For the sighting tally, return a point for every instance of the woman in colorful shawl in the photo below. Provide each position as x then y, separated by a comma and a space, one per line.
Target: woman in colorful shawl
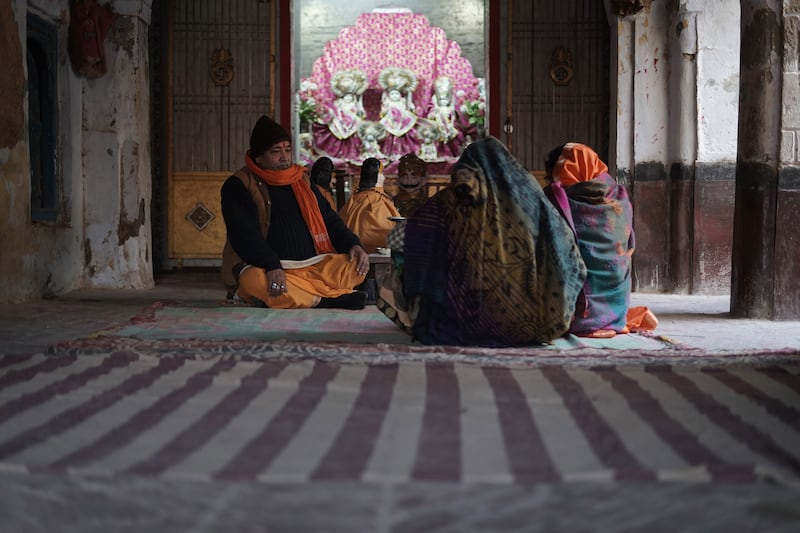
487, 261
600, 214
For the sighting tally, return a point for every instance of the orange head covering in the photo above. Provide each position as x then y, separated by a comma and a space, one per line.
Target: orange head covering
577, 163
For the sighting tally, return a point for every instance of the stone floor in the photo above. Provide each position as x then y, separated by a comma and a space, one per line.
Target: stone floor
68, 502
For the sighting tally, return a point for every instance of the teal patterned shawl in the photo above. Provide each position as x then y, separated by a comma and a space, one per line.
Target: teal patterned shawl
489, 261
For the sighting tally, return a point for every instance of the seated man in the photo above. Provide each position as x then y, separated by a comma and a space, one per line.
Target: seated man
286, 247
412, 173
367, 211
600, 215
487, 261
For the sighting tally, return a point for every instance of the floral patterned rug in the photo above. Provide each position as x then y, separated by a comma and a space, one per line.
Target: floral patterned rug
213, 330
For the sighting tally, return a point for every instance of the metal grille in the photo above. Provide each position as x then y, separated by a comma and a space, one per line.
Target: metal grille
546, 115
211, 123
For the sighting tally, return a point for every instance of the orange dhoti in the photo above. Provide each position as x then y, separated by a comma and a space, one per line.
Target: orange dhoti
307, 282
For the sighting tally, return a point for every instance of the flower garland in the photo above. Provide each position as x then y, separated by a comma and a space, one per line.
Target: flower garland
472, 105
308, 108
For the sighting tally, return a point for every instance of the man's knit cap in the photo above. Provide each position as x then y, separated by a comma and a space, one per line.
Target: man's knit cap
266, 134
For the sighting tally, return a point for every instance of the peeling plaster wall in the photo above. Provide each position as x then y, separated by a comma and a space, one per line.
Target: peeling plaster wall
621, 145
641, 88
648, 105
717, 116
116, 159
42, 259
104, 239
16, 239
648, 110
704, 101
718, 45
651, 87
676, 138
683, 82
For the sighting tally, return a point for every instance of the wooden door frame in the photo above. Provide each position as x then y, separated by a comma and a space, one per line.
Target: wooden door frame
493, 69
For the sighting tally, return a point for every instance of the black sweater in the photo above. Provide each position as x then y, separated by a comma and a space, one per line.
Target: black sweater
288, 236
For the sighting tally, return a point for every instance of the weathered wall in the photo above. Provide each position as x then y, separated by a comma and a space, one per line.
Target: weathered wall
787, 239
715, 170
12, 127
15, 240
718, 46
650, 144
116, 158
704, 103
103, 237
675, 133
44, 258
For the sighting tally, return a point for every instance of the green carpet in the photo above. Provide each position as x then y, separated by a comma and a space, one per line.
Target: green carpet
368, 326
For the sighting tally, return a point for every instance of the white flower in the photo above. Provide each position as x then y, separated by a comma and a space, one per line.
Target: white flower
308, 85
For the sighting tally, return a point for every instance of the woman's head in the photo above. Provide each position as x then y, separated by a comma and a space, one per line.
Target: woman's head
485, 165
573, 164
550, 162
322, 172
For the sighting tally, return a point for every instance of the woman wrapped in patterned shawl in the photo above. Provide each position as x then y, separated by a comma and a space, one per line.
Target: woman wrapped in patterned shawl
487, 261
600, 214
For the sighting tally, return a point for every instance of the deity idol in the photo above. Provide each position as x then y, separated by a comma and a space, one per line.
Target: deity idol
348, 108
398, 111
338, 137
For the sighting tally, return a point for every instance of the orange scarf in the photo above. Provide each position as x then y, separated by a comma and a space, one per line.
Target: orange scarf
306, 199
577, 163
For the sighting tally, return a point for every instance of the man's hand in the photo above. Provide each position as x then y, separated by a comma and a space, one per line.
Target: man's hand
361, 257
276, 282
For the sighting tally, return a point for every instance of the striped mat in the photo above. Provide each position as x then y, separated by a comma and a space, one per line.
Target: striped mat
177, 417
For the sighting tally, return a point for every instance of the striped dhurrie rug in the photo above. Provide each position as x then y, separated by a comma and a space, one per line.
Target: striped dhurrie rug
276, 421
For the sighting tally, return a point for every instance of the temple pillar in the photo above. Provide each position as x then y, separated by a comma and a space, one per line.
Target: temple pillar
766, 260
116, 157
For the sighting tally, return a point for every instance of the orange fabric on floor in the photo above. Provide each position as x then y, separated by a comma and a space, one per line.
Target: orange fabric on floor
334, 276
641, 319
601, 334
637, 319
